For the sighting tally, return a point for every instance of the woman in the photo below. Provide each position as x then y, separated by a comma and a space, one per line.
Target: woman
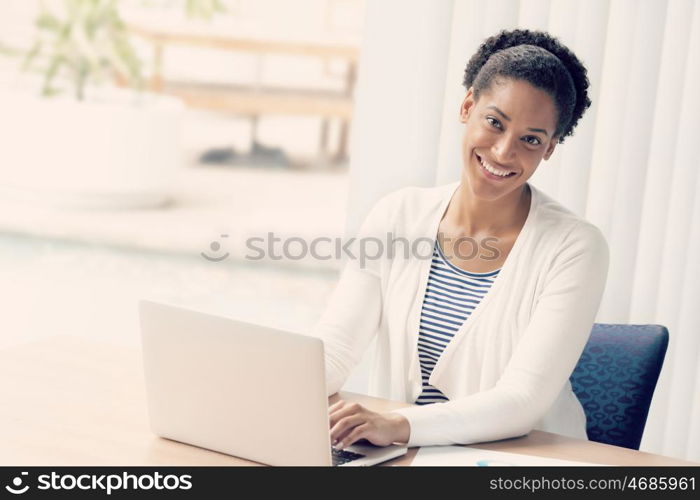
485, 343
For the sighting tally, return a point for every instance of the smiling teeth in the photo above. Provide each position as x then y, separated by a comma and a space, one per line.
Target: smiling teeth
495, 171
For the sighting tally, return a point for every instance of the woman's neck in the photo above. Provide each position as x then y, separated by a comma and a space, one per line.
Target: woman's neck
473, 216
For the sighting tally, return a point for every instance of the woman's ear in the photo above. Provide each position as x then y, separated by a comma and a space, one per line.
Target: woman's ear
550, 148
467, 105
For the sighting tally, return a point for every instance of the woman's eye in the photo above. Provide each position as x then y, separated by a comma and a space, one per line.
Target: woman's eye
493, 121
533, 140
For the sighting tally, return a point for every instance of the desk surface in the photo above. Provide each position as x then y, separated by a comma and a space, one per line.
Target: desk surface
71, 401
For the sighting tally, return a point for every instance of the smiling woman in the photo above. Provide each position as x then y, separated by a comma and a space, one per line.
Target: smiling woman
484, 345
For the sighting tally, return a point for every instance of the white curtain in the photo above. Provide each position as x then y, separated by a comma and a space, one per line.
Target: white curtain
631, 168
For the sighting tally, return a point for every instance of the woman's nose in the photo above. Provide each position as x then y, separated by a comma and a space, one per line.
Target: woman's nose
504, 148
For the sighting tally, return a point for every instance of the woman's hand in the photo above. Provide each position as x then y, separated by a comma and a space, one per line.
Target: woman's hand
351, 422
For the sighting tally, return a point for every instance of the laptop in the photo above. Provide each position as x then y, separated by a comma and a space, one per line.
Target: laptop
242, 389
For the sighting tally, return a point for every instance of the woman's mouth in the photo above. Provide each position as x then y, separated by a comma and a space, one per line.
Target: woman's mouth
492, 172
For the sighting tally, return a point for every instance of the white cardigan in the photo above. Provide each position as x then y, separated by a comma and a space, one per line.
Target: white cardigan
506, 371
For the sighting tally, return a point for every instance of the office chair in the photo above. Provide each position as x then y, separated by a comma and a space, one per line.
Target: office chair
615, 379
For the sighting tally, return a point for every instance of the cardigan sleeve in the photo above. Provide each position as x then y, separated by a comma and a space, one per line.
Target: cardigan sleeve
353, 313
543, 360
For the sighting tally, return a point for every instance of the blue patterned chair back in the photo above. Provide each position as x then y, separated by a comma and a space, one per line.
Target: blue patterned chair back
615, 379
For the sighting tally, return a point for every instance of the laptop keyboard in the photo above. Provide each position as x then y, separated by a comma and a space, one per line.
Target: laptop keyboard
344, 456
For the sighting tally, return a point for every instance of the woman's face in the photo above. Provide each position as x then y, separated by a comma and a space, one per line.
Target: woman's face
509, 130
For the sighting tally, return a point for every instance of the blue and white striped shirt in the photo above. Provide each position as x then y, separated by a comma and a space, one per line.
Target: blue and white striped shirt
450, 297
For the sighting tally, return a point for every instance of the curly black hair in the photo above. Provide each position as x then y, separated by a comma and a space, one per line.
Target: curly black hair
540, 59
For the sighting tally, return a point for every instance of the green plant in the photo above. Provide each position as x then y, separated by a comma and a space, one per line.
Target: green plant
204, 9
89, 43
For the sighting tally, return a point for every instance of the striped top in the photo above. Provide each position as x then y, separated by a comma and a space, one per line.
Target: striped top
450, 297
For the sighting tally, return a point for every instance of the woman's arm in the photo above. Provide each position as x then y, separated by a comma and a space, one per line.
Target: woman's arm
542, 362
349, 323
353, 313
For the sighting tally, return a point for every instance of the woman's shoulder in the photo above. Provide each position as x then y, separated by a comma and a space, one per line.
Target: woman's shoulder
407, 211
414, 202
556, 222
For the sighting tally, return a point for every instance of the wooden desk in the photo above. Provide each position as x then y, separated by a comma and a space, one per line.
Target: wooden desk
70, 401
256, 100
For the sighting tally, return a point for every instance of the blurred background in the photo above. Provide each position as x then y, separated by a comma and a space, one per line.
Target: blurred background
140, 134
144, 141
